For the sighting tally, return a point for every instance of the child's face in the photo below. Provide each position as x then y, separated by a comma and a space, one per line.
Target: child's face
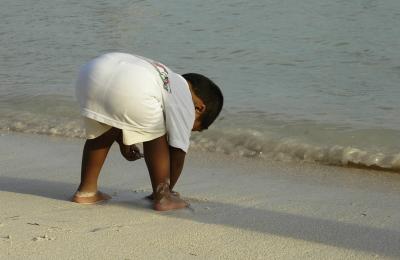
200, 108
197, 125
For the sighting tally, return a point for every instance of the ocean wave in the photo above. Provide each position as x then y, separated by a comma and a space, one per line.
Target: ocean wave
255, 144
39, 124
236, 142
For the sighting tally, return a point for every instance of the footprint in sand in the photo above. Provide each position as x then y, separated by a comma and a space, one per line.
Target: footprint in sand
98, 229
42, 238
8, 237
115, 228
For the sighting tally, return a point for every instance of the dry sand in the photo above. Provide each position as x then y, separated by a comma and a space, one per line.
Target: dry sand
240, 209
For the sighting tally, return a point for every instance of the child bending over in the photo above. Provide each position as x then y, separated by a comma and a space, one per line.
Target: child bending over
130, 99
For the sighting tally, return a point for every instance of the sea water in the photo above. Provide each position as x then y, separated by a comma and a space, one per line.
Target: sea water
311, 80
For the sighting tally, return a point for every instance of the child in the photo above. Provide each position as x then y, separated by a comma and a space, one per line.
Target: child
130, 99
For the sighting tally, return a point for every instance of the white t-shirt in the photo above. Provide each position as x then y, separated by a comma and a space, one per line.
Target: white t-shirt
139, 96
179, 109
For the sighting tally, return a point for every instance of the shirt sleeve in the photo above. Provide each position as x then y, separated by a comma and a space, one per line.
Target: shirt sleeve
179, 112
179, 123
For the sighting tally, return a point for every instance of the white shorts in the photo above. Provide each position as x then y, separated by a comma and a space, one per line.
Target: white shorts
125, 95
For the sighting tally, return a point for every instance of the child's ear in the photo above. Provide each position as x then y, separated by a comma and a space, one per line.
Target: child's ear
200, 108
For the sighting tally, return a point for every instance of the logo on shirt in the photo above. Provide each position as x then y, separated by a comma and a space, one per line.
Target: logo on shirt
162, 71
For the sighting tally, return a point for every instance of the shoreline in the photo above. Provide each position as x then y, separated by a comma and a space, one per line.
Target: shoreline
295, 153
240, 208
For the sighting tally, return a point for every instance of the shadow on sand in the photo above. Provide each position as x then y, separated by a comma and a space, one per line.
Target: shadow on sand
328, 232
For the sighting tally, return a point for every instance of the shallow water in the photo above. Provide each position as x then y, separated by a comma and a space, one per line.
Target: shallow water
303, 80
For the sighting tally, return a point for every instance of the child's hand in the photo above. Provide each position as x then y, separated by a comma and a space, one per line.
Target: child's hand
130, 152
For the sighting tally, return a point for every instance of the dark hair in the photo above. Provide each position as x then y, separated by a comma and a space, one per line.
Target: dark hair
211, 95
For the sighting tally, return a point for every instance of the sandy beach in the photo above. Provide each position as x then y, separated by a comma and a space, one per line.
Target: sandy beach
240, 208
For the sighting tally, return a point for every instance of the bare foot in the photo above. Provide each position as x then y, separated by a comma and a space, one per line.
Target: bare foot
170, 203
164, 200
173, 193
90, 198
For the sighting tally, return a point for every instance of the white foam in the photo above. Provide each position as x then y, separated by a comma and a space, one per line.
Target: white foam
269, 146
266, 145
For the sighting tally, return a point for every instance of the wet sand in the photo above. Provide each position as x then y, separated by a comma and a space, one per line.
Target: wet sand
240, 208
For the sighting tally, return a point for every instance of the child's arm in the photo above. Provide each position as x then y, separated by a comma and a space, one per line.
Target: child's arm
177, 159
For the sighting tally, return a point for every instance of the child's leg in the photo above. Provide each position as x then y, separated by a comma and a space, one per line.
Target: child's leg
94, 154
156, 154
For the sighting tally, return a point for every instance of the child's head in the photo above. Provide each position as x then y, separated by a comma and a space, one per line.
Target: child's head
207, 98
